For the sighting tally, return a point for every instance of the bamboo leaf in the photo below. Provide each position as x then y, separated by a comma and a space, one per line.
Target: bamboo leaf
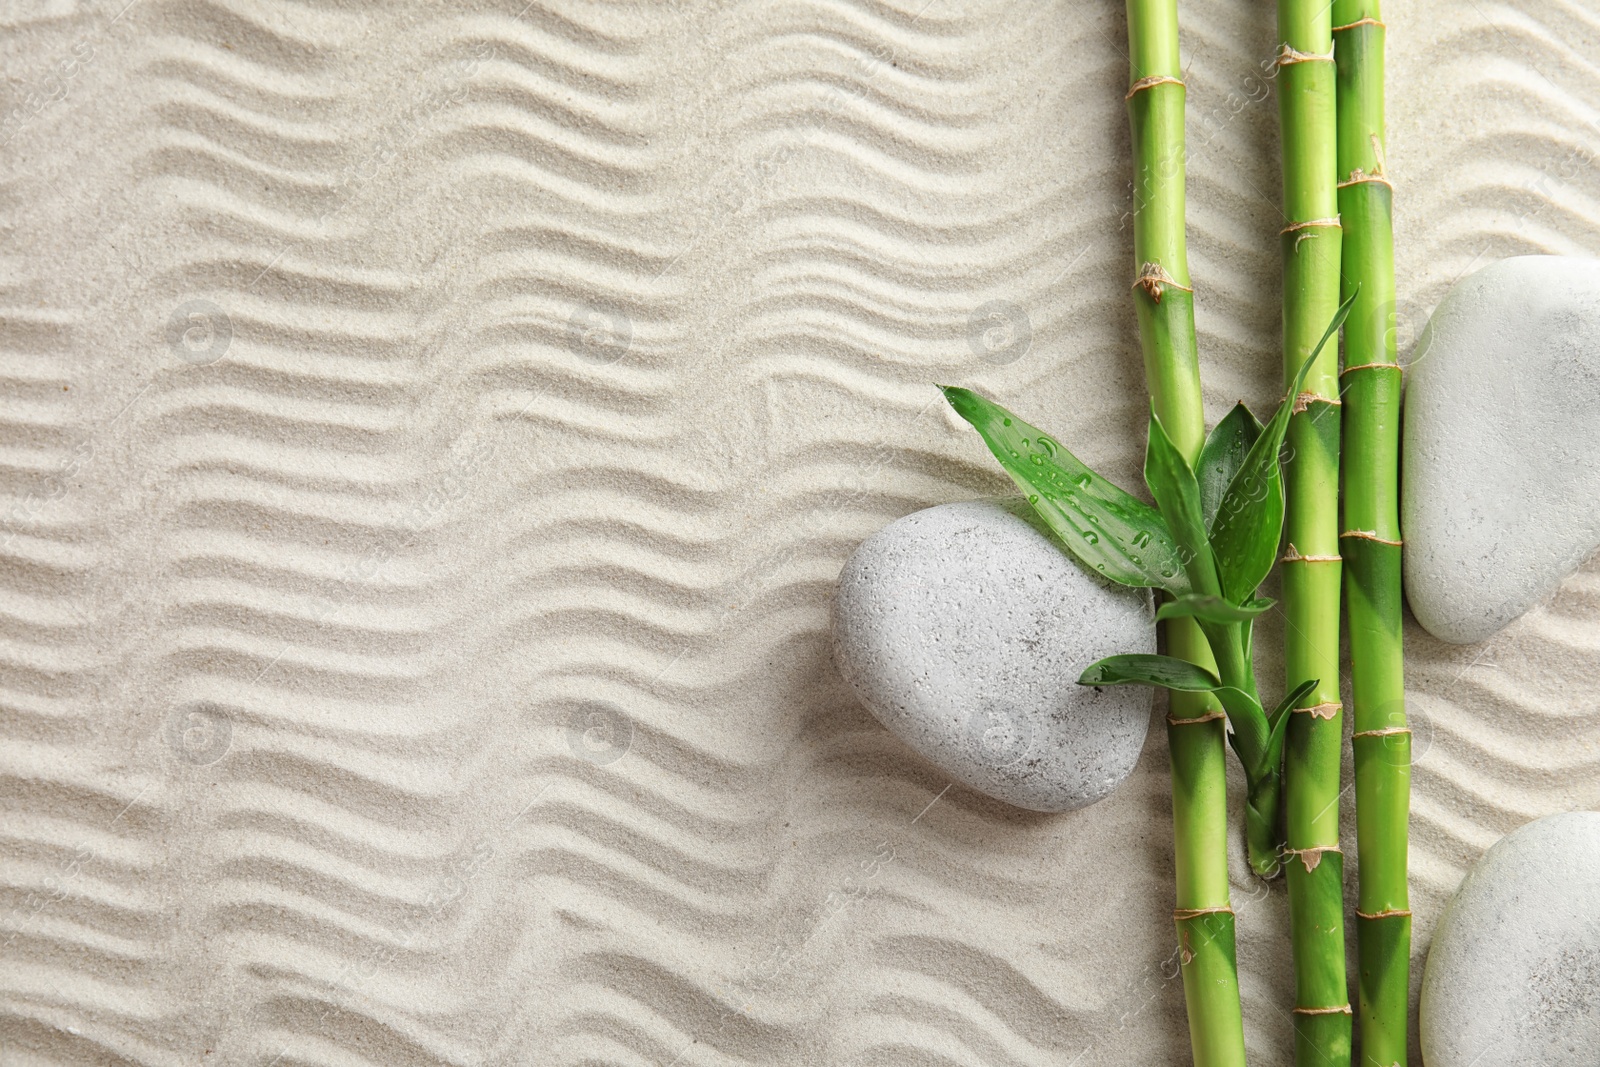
1250, 734
1165, 672
1226, 446
1249, 521
1289, 701
1249, 722
1115, 534
1263, 807
1212, 609
1277, 723
1177, 494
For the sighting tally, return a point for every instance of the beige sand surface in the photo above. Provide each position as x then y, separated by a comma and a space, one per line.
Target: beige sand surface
429, 439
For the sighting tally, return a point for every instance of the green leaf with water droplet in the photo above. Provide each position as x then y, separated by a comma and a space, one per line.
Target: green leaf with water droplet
1251, 731
1225, 449
1142, 668
1211, 609
1177, 494
1115, 534
1249, 521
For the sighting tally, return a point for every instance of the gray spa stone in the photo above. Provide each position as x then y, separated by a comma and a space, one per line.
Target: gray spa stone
964, 629
1501, 499
1514, 972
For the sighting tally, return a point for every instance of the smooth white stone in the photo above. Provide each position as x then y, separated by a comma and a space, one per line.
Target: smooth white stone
1514, 972
1501, 499
964, 629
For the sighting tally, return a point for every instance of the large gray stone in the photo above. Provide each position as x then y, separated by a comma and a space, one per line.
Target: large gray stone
1514, 972
964, 629
1502, 489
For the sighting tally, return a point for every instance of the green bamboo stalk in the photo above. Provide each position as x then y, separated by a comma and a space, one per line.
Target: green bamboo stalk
1371, 540
1164, 299
1311, 574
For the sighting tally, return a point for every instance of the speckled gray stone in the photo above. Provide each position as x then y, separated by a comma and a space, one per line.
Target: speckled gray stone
964, 629
1501, 500
1514, 972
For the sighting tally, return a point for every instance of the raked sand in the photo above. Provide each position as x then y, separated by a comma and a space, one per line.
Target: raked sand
414, 652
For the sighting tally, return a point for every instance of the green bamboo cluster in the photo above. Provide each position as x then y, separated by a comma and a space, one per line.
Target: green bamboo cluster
1371, 540
1311, 241
1208, 542
1164, 300
1223, 507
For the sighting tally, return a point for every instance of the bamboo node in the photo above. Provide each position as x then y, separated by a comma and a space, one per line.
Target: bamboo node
1150, 83
1303, 230
1328, 223
1293, 556
1368, 21
1306, 399
1370, 535
1361, 177
1154, 279
1312, 856
1372, 366
1342, 1009
1387, 731
1210, 716
1325, 710
1390, 914
1179, 914
1288, 55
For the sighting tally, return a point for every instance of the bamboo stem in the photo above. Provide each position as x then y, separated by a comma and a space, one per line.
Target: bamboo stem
1311, 574
1165, 304
1371, 542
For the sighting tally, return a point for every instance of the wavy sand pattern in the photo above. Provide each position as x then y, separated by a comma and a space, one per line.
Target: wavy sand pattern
427, 446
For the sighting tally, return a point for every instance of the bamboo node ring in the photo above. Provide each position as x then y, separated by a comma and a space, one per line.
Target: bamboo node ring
1332, 222
1372, 366
1371, 535
1293, 556
1312, 856
1154, 279
1360, 177
1387, 731
1343, 1009
1390, 914
1150, 83
1306, 399
1288, 55
1325, 710
1180, 914
1368, 21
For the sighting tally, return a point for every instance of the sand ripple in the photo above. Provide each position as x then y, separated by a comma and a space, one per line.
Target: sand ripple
427, 447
